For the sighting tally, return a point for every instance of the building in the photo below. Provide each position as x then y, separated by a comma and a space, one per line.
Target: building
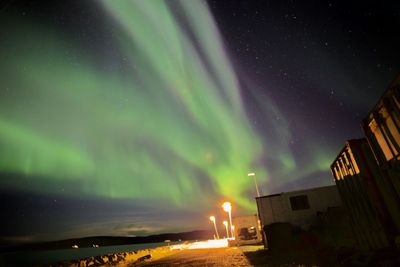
382, 130
367, 173
356, 172
299, 208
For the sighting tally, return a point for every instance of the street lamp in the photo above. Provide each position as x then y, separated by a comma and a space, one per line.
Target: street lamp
255, 182
212, 218
226, 227
228, 208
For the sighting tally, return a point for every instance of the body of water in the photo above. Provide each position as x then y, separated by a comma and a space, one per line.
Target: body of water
34, 258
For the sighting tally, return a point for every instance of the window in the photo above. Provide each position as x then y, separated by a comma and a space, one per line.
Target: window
299, 202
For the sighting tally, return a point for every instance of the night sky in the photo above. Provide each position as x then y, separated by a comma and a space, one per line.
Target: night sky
141, 117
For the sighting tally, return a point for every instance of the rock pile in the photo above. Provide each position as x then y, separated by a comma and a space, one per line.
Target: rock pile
111, 259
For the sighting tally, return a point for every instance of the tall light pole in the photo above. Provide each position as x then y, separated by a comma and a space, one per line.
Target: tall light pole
228, 208
212, 218
255, 182
226, 227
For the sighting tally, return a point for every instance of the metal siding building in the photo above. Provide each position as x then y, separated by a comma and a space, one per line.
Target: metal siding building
382, 129
356, 172
298, 208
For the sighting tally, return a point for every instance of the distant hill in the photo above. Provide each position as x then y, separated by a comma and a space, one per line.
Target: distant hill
112, 241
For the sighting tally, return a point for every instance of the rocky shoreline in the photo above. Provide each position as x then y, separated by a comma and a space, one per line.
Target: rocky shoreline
118, 259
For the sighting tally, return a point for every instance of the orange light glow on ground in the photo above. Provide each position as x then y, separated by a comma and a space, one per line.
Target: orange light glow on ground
220, 243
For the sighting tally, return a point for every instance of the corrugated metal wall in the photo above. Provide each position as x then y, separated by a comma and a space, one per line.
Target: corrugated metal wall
367, 173
352, 176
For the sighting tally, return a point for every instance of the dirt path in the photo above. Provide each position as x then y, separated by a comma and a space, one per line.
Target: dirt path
203, 257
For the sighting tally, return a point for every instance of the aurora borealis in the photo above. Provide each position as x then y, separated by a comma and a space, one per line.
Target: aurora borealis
127, 135
137, 117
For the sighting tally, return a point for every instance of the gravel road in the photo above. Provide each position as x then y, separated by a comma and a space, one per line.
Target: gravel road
203, 257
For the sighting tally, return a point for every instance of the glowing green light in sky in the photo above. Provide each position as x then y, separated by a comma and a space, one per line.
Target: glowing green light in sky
169, 126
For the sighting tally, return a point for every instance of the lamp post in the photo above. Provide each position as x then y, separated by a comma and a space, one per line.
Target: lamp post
228, 208
212, 218
255, 182
233, 231
226, 227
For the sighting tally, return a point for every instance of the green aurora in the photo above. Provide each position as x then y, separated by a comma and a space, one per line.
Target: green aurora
169, 126
137, 117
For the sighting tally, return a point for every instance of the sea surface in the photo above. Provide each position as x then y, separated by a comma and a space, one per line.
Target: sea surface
43, 257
